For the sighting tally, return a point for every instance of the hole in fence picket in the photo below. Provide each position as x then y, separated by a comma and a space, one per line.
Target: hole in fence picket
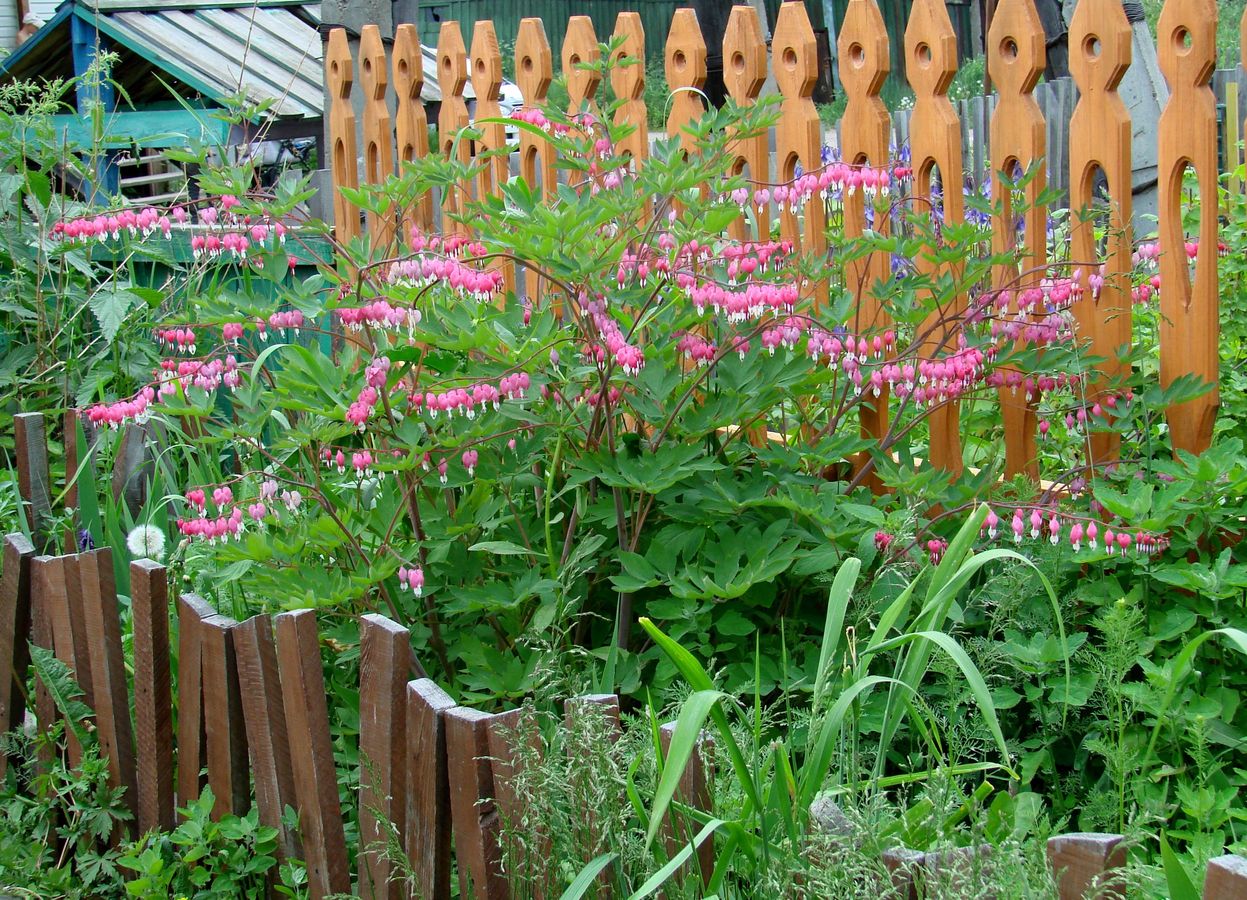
1091, 46
1009, 49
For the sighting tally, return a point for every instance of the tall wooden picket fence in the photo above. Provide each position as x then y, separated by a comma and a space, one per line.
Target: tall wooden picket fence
1097, 140
247, 714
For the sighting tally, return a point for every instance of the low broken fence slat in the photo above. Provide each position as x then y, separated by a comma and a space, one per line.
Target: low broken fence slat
252, 713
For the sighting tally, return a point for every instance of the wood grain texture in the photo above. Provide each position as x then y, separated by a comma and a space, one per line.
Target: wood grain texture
580, 49
744, 74
1082, 864
1226, 878
684, 57
378, 132
191, 740
133, 466
693, 791
108, 673
1186, 46
411, 123
935, 145
15, 632
534, 72
41, 636
473, 812
864, 130
428, 789
384, 669
225, 728
56, 588
30, 446
1100, 43
491, 149
628, 83
264, 716
1016, 55
311, 753
530, 864
452, 76
340, 76
153, 695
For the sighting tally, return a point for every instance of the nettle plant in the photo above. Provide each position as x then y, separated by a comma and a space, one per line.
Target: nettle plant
519, 433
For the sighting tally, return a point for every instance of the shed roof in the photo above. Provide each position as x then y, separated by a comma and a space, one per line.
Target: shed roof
269, 51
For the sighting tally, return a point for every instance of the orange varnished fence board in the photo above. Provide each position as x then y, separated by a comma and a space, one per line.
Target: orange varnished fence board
192, 756
799, 135
264, 715
486, 62
744, 74
1082, 861
1100, 134
1189, 328
534, 71
452, 76
378, 129
685, 62
628, 83
311, 754
580, 51
340, 75
384, 667
864, 67
428, 789
411, 124
108, 672
935, 144
15, 618
1016, 53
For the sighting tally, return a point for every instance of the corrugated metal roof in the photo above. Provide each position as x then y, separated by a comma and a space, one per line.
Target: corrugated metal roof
268, 53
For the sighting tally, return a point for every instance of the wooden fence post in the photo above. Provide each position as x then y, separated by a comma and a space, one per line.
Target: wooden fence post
628, 83
1100, 134
693, 791
15, 622
153, 699
508, 731
685, 55
311, 753
473, 812
225, 729
864, 66
576, 711
1081, 861
799, 135
935, 143
580, 47
452, 76
108, 672
340, 75
534, 72
428, 789
192, 756
31, 447
411, 123
384, 668
486, 61
378, 132
133, 466
1016, 55
1186, 40
744, 74
264, 714
1226, 878
58, 595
